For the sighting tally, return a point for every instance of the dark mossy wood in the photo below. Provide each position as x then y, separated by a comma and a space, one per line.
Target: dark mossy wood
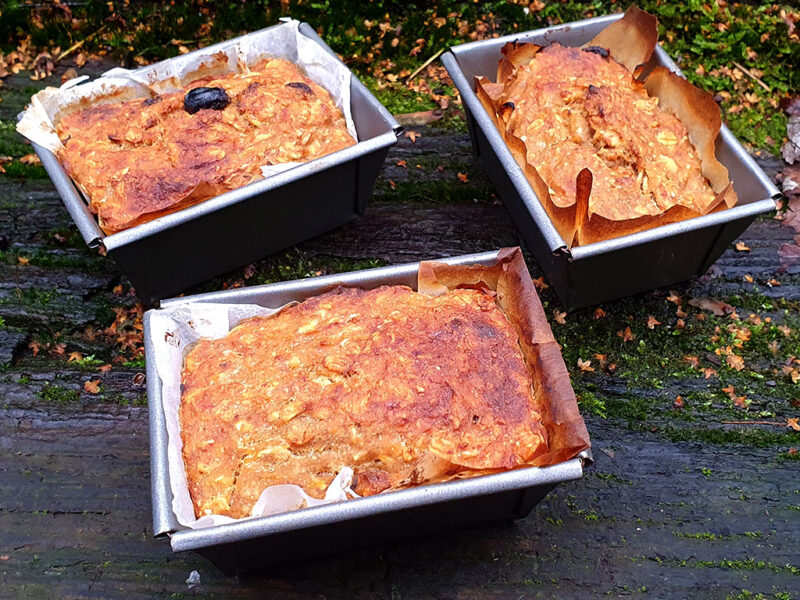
674, 507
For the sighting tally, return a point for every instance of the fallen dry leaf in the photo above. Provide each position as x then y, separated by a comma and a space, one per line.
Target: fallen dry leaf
68, 74
652, 322
559, 316
735, 361
741, 402
539, 283
678, 402
692, 361
748, 279
104, 368
741, 247
709, 372
30, 159
75, 357
773, 283
718, 307
602, 359
402, 163
412, 135
462, 177
680, 324
785, 330
627, 335
679, 312
23, 260
674, 297
793, 423
92, 386
585, 365
599, 313
34, 346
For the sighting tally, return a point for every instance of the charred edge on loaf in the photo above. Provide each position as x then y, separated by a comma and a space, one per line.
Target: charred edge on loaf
214, 98
300, 86
597, 50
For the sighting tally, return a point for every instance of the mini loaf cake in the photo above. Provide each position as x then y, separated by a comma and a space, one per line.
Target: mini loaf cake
143, 158
610, 144
577, 108
402, 387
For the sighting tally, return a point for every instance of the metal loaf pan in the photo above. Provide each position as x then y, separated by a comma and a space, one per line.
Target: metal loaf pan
619, 267
167, 255
355, 523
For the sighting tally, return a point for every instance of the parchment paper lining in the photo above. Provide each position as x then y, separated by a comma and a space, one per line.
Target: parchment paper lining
174, 330
117, 85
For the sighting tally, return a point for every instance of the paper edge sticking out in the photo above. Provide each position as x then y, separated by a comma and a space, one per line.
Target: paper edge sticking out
630, 39
173, 331
283, 40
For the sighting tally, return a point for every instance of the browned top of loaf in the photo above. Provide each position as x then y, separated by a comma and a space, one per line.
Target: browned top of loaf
577, 109
143, 158
402, 387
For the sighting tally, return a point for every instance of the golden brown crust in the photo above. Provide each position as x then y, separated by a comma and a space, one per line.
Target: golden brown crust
403, 387
648, 148
141, 159
517, 298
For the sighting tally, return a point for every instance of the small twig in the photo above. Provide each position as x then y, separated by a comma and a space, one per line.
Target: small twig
750, 74
77, 45
425, 64
753, 423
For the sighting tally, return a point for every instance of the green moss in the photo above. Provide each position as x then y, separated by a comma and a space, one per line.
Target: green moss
59, 395
748, 565
17, 170
87, 260
11, 143
398, 99
613, 478
87, 363
789, 455
590, 403
135, 363
31, 297
706, 535
759, 438
433, 191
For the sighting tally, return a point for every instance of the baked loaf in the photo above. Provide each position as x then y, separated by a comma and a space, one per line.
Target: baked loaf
143, 158
610, 144
402, 387
579, 109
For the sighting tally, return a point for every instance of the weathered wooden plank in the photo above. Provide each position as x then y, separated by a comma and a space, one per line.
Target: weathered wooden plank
658, 517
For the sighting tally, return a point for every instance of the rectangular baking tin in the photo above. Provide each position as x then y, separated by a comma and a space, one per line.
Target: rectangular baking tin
606, 270
356, 523
169, 254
